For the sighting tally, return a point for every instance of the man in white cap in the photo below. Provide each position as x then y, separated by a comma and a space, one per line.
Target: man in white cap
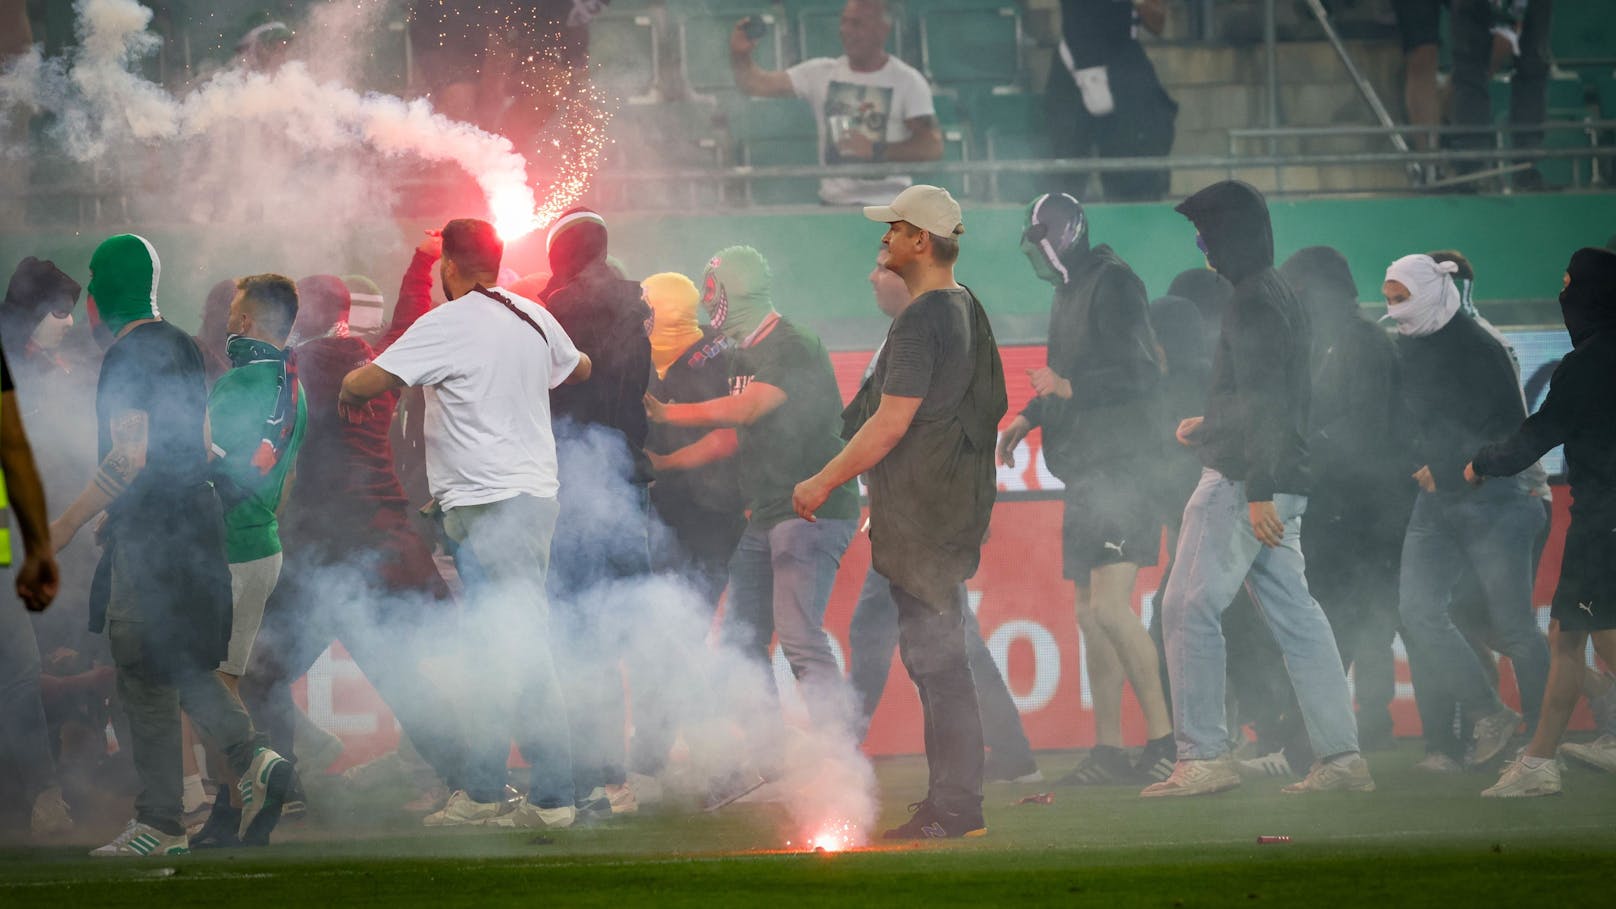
923, 428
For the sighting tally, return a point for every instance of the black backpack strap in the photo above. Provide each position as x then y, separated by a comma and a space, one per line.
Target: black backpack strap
514, 309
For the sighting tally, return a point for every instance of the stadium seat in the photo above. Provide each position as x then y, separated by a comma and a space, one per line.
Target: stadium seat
775, 131
1566, 102
625, 54
1010, 124
964, 42
673, 134
704, 46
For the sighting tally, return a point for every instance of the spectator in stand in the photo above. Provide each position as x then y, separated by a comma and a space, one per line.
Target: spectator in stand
1477, 26
1104, 98
1419, 22
869, 105
1461, 390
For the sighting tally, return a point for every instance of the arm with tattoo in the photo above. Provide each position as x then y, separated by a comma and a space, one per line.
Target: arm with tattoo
117, 472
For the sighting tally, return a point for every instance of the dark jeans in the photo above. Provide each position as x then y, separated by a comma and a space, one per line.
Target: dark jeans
931, 642
503, 555
1472, 52
873, 637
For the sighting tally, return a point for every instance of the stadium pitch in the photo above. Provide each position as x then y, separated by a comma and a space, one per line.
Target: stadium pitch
1420, 839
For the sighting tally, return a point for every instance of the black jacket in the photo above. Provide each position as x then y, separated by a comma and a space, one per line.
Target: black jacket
692, 497
1101, 341
1256, 417
607, 319
1460, 389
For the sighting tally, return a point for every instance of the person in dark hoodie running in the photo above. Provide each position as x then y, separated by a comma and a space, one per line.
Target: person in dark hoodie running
1243, 524
603, 533
354, 568
163, 589
1579, 413
1361, 495
1460, 390
1097, 402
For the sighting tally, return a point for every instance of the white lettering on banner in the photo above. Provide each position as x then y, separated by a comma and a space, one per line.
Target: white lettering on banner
1013, 479
1046, 662
322, 708
1046, 480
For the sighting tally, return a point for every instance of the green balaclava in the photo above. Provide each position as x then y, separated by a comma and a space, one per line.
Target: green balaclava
735, 292
123, 280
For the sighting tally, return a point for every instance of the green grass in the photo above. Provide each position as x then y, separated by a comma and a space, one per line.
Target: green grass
1419, 840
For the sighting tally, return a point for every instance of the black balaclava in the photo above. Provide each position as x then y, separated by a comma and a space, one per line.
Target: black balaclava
37, 289
576, 241
1588, 303
1232, 218
1056, 237
1208, 290
1323, 280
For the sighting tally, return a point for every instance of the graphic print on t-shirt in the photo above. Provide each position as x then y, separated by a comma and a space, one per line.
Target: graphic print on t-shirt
855, 109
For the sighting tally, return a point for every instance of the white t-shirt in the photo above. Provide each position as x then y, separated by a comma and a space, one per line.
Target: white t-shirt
488, 377
878, 105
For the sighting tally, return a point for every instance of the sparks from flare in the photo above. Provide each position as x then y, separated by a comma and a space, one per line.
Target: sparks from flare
835, 836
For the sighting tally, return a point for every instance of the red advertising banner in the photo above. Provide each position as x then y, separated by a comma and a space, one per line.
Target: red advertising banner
1024, 606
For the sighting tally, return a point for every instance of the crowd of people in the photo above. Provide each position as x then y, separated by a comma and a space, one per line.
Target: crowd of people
584, 437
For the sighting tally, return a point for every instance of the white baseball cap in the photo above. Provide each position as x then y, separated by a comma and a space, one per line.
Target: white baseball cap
929, 208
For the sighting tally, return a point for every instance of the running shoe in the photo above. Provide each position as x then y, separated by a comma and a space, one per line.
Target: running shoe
1521, 781
1195, 778
1492, 735
1600, 752
263, 794
928, 822
1104, 766
140, 840
1335, 775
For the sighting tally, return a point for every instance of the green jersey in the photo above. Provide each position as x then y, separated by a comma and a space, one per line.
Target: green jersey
250, 474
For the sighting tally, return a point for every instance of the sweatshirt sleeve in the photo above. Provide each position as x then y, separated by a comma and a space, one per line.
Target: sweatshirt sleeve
414, 299
1259, 351
1493, 405
1541, 432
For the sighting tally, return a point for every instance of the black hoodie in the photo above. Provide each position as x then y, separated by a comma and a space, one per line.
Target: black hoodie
608, 319
1100, 340
1355, 447
1256, 415
1580, 410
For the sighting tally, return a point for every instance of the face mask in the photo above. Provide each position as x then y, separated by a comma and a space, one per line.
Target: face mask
52, 330
1035, 246
716, 304
243, 350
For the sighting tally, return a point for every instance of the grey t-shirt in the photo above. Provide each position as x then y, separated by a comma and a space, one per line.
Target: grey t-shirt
928, 353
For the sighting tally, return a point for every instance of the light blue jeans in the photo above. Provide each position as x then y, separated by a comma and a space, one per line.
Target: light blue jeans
780, 581
1217, 552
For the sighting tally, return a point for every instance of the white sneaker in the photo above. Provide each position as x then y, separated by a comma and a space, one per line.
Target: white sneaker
1351, 775
1600, 752
529, 816
1521, 781
1437, 762
461, 811
263, 794
1492, 734
623, 799
50, 816
140, 840
1273, 764
1195, 778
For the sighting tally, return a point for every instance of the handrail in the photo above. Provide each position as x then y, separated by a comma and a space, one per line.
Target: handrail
1306, 132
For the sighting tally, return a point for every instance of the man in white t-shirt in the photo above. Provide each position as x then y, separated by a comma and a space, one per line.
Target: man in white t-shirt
488, 360
869, 105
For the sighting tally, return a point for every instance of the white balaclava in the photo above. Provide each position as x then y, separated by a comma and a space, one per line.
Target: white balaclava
1433, 298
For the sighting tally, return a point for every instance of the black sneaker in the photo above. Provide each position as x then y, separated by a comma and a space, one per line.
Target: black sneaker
594, 807
1156, 761
219, 831
932, 823
1104, 766
1021, 769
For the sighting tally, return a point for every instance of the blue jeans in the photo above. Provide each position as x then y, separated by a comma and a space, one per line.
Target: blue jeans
780, 581
1217, 552
1490, 530
503, 555
873, 636
24, 735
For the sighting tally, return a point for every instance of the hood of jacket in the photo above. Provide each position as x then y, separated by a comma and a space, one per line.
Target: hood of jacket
1232, 218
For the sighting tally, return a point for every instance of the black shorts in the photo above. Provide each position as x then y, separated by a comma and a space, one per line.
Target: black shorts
1419, 22
1111, 517
1585, 598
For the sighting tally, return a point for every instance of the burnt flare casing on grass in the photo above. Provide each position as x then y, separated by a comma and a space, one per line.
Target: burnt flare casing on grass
1270, 840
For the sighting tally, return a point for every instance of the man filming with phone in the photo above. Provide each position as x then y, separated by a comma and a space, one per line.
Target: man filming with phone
869, 105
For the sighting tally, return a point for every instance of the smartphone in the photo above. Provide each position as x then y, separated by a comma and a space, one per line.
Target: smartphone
754, 28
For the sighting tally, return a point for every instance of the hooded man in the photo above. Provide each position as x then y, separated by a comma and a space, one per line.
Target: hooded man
779, 423
1460, 390
1580, 413
165, 598
1243, 524
1361, 496
1097, 402
348, 509
38, 293
603, 534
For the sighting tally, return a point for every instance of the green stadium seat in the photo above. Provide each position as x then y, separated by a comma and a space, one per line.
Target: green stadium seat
970, 42
673, 134
765, 152
1566, 102
704, 47
772, 118
1583, 33
625, 54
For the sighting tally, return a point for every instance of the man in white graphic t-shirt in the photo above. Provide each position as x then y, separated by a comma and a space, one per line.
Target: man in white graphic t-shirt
870, 106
